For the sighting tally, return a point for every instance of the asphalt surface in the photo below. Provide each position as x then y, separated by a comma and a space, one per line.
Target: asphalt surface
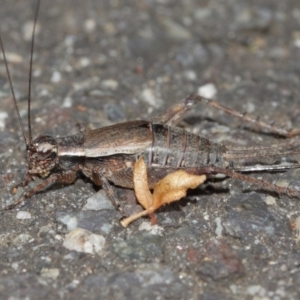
98, 63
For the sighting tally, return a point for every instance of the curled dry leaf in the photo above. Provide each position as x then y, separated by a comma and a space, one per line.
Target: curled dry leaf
141, 187
171, 188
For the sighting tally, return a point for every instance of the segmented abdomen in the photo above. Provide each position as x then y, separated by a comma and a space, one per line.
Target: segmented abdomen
174, 147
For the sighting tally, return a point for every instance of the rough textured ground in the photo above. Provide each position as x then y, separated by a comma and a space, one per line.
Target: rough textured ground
103, 62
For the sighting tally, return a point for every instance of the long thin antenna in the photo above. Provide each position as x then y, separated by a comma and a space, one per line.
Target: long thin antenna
13, 93
30, 71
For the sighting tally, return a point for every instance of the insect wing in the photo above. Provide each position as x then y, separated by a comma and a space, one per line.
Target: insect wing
128, 138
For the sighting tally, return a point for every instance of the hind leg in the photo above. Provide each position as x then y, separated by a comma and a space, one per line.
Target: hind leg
173, 115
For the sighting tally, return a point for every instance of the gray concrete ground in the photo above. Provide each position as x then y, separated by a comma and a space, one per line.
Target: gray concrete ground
102, 62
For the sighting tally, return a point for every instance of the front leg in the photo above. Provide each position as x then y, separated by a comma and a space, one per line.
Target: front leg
100, 180
28, 178
66, 177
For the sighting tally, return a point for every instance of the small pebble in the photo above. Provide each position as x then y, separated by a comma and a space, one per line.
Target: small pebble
82, 240
110, 84
23, 215
282, 183
149, 96
190, 75
270, 200
153, 229
15, 265
254, 290
50, 273
207, 91
84, 62
68, 101
297, 227
13, 57
175, 30
3, 116
56, 77
27, 30
219, 227
70, 221
98, 201
114, 112
22, 239
89, 25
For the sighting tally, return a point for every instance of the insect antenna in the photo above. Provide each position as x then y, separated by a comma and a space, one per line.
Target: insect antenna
27, 139
13, 93
30, 71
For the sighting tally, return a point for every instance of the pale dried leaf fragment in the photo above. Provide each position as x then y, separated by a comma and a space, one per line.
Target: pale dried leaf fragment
171, 188
141, 187
174, 186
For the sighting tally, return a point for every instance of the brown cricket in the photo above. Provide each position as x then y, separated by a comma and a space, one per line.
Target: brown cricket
108, 155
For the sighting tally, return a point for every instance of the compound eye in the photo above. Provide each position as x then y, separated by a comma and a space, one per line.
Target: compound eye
44, 150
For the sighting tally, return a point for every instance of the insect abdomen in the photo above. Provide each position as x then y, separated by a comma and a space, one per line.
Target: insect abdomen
176, 148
